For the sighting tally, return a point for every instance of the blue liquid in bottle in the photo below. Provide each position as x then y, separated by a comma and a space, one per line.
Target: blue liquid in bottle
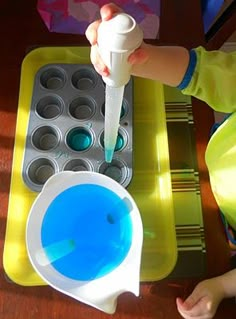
97, 222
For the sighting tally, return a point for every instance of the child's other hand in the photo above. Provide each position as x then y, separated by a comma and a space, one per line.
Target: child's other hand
203, 302
139, 56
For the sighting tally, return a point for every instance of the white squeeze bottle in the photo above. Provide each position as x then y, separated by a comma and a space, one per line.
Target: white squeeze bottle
117, 39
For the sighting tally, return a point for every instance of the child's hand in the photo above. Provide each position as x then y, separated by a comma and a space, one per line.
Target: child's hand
107, 11
204, 300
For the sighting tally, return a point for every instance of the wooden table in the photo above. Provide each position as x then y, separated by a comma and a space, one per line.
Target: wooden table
21, 29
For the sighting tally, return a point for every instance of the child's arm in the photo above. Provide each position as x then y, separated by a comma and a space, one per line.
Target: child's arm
209, 76
165, 64
207, 295
228, 282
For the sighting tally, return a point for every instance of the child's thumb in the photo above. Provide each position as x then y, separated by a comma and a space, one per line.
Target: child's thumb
139, 56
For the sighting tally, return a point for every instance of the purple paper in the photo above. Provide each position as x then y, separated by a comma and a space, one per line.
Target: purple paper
74, 16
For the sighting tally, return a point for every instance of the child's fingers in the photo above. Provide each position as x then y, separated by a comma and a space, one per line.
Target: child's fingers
97, 62
91, 32
179, 301
203, 309
108, 10
193, 299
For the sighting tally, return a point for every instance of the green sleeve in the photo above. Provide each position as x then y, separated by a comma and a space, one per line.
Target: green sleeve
214, 79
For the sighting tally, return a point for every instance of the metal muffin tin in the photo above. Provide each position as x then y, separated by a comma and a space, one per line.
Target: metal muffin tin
66, 126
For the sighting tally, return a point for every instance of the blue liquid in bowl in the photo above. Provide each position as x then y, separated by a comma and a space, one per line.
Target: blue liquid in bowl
98, 224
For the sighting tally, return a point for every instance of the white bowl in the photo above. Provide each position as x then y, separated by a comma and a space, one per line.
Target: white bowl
84, 238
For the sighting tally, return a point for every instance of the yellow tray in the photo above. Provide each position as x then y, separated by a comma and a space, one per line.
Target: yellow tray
150, 185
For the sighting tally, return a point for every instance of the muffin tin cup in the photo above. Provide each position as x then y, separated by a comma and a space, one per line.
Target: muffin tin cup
66, 126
